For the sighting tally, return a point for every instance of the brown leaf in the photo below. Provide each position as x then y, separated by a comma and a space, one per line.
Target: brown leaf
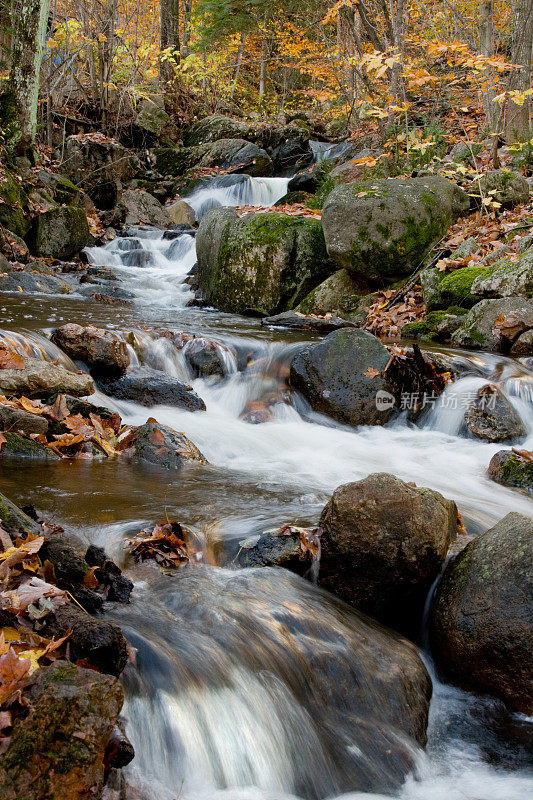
3, 439
9, 359
156, 437
371, 372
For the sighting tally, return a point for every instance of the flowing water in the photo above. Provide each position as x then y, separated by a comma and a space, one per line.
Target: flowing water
205, 724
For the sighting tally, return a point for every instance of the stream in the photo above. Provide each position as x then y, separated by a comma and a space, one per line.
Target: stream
204, 724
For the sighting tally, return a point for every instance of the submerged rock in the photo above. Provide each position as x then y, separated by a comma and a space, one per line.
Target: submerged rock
103, 351
57, 751
160, 445
481, 623
261, 262
14, 520
341, 377
151, 387
383, 544
289, 547
493, 418
12, 280
296, 321
42, 378
514, 469
380, 230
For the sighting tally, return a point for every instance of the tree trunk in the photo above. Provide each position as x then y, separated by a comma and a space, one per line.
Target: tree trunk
30, 25
397, 16
240, 54
169, 37
186, 7
518, 124
263, 67
486, 48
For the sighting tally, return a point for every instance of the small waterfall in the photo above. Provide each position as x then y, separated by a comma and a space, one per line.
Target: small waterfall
324, 151
236, 190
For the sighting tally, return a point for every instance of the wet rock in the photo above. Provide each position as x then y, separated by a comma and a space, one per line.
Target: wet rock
17, 446
505, 187
482, 326
364, 691
380, 230
160, 445
288, 147
118, 588
261, 262
237, 155
336, 377
65, 553
207, 357
42, 378
59, 233
306, 180
14, 520
12, 280
57, 750
512, 468
17, 420
481, 623
296, 321
507, 279
103, 351
339, 294
97, 642
181, 213
295, 549
493, 418
140, 208
151, 387
92, 164
523, 346
383, 544
214, 127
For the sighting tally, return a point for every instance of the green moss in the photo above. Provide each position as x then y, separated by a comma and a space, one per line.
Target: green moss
426, 329
11, 213
454, 288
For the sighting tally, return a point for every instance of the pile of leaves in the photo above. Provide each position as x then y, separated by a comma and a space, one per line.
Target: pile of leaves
392, 310
27, 595
77, 434
293, 210
169, 544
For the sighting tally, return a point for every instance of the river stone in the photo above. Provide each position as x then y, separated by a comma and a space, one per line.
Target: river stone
181, 213
14, 520
383, 545
59, 233
57, 750
503, 186
507, 279
95, 641
479, 326
160, 445
42, 378
363, 690
140, 208
12, 280
296, 321
103, 351
306, 180
288, 147
20, 421
512, 469
205, 357
523, 346
331, 376
151, 387
17, 446
380, 230
276, 548
214, 127
493, 418
261, 262
481, 623
338, 294
237, 155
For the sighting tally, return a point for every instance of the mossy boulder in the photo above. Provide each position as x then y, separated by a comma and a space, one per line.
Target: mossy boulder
341, 377
436, 326
59, 233
57, 750
14, 520
12, 200
175, 161
505, 187
338, 295
140, 208
481, 623
512, 469
481, 329
62, 189
18, 446
380, 230
506, 278
262, 262
214, 127
444, 289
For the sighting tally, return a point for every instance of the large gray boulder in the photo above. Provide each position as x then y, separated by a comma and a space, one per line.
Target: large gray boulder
481, 623
380, 230
59, 233
495, 324
341, 377
214, 127
359, 693
383, 544
140, 208
42, 378
264, 262
507, 278
237, 155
